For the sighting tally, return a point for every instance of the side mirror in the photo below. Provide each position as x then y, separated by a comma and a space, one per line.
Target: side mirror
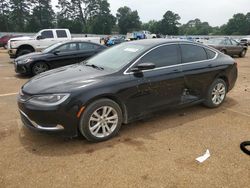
143, 66
56, 52
39, 37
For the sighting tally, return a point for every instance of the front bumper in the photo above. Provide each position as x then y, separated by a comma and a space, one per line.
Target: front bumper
56, 119
12, 53
21, 68
32, 124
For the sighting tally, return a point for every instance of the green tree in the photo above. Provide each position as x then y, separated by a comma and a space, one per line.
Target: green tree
128, 20
196, 27
20, 13
66, 17
42, 15
153, 26
79, 16
101, 21
238, 25
4, 15
169, 24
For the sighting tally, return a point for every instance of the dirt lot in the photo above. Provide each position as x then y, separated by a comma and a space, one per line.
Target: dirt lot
158, 152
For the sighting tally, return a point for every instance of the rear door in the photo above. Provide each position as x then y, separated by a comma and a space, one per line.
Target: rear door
87, 50
229, 47
162, 86
199, 69
237, 48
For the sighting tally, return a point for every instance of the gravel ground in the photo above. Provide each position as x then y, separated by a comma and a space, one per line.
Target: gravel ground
157, 152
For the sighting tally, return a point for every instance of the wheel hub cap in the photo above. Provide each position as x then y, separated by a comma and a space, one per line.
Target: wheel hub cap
103, 122
218, 93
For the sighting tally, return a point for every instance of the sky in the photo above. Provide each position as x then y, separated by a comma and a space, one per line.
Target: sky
215, 12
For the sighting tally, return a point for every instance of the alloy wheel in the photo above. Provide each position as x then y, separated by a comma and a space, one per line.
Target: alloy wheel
39, 68
218, 93
103, 122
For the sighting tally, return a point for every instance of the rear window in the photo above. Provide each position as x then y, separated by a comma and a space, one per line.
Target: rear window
192, 53
87, 46
210, 54
61, 33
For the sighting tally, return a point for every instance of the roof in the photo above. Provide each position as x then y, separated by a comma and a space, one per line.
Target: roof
155, 42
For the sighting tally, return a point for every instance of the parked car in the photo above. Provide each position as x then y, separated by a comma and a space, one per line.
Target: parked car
137, 35
228, 46
4, 40
123, 84
43, 39
115, 40
57, 55
246, 40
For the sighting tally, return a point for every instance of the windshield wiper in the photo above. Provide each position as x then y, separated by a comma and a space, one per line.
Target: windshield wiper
94, 66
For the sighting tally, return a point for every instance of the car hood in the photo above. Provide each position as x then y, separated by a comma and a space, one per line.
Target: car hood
30, 55
20, 38
64, 79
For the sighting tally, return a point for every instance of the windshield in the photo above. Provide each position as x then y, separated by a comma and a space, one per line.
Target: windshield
52, 47
116, 57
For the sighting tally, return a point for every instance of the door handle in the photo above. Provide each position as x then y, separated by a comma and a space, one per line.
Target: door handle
176, 70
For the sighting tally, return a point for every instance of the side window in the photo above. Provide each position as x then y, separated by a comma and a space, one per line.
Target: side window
67, 47
227, 42
162, 56
210, 54
234, 42
87, 46
191, 53
47, 34
61, 33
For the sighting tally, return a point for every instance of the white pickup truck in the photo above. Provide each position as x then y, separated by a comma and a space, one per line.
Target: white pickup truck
44, 38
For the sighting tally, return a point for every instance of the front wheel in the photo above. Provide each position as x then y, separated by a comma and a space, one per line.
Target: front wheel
38, 68
101, 120
216, 94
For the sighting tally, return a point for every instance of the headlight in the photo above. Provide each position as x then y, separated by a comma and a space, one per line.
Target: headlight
49, 100
25, 61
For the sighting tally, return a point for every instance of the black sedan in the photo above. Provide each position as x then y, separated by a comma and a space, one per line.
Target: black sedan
123, 84
228, 46
57, 55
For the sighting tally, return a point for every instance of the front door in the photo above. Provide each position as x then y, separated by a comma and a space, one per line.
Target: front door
159, 87
65, 54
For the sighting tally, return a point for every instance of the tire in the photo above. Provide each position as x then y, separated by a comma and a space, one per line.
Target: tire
94, 118
5, 46
243, 53
39, 67
243, 147
23, 52
216, 94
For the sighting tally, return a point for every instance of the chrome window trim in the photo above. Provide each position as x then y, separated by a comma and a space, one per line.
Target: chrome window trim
171, 66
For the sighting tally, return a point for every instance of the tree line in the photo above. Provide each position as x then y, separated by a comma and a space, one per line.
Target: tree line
94, 16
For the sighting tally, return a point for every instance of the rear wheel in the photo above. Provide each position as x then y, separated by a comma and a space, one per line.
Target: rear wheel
216, 94
101, 120
40, 67
243, 53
